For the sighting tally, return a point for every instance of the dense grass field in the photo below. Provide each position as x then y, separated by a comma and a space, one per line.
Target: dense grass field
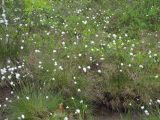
80, 59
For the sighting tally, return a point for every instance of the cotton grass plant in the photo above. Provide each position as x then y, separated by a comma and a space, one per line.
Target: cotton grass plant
80, 55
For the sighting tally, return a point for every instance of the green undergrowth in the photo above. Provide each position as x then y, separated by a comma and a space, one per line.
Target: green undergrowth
104, 53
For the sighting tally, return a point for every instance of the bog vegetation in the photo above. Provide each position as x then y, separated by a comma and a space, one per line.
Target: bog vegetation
66, 59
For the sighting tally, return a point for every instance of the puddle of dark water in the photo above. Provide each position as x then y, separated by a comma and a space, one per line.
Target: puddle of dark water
105, 114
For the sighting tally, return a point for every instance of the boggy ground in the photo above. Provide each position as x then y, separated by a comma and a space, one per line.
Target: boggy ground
5, 97
69, 58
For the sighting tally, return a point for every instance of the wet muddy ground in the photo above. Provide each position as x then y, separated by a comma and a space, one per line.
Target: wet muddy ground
5, 95
103, 113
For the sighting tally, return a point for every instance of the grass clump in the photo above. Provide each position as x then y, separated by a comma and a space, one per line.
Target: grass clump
33, 104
